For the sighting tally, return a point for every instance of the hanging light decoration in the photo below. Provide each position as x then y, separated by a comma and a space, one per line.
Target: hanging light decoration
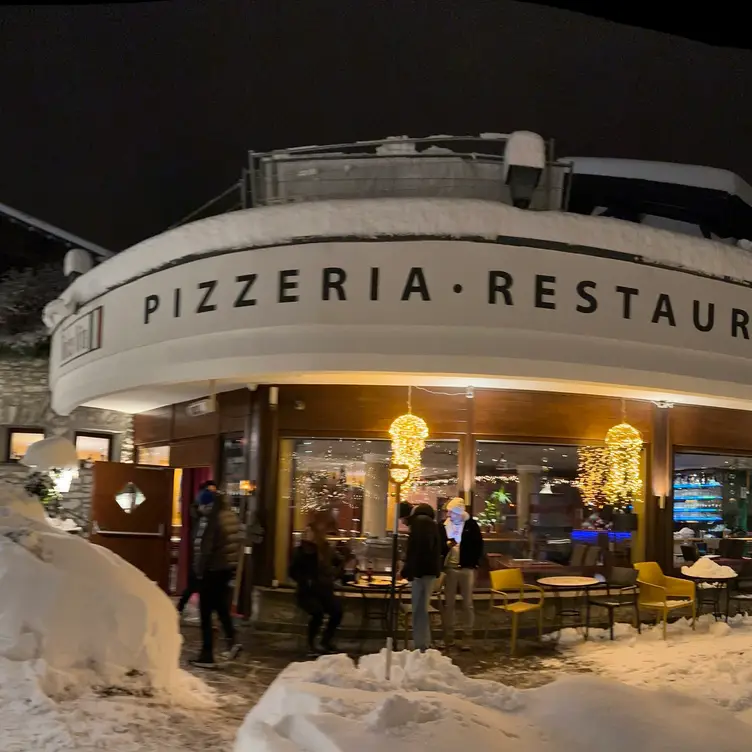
624, 446
409, 434
592, 474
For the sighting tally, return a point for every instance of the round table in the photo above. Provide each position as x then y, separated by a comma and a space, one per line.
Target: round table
718, 585
580, 586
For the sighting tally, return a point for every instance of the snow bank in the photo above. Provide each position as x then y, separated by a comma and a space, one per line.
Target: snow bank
78, 614
713, 663
333, 705
708, 568
373, 218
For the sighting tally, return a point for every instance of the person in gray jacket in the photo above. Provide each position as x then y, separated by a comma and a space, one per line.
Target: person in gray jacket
216, 552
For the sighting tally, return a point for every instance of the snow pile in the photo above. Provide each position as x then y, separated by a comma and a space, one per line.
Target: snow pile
707, 568
335, 706
713, 663
78, 615
388, 218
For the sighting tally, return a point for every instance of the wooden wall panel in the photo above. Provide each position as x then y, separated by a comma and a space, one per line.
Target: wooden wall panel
153, 427
711, 428
185, 426
548, 415
234, 408
368, 411
200, 452
354, 411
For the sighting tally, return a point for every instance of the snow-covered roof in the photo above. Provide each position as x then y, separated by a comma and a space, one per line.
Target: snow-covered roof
374, 218
694, 176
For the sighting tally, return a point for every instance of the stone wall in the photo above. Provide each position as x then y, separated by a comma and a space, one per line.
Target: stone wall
25, 403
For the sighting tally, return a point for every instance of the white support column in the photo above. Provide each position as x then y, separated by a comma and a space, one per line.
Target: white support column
529, 483
375, 494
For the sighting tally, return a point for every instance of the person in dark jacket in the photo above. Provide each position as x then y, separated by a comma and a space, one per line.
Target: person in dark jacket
463, 542
314, 568
216, 553
422, 566
193, 583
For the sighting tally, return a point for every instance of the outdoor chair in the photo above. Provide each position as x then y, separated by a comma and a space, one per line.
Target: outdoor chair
577, 559
731, 548
740, 590
690, 554
435, 608
621, 591
510, 585
664, 594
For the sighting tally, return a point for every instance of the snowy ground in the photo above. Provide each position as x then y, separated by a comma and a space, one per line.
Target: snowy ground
714, 663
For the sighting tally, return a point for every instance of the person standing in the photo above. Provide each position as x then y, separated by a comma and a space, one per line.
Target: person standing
464, 546
314, 569
422, 566
216, 553
193, 583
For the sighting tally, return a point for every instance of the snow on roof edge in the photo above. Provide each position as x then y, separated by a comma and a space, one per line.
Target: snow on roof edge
372, 218
695, 176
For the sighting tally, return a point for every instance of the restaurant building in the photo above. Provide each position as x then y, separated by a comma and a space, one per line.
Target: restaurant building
272, 346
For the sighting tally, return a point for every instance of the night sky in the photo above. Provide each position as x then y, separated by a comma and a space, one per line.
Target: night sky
118, 120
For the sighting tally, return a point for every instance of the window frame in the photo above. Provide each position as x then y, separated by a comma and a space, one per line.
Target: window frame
10, 430
96, 435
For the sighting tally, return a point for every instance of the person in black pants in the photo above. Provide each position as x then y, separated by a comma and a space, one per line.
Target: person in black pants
192, 586
216, 554
314, 569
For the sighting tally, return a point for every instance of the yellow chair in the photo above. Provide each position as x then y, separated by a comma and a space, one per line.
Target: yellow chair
509, 584
663, 594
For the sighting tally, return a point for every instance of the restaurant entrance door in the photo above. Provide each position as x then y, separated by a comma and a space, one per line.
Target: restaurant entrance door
131, 514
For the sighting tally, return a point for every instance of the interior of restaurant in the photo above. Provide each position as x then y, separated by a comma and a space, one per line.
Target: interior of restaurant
527, 497
711, 504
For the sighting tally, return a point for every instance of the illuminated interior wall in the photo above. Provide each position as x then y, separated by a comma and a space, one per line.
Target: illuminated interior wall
285, 504
177, 517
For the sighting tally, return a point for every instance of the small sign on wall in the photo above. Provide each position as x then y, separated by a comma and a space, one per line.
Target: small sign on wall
81, 337
200, 407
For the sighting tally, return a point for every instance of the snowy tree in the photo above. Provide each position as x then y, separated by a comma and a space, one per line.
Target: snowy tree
23, 295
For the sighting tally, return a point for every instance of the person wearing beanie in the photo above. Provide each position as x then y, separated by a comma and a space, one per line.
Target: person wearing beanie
464, 544
204, 496
422, 566
216, 549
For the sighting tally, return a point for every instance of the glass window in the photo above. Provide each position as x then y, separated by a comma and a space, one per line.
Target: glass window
20, 441
156, 455
711, 494
93, 447
525, 487
350, 479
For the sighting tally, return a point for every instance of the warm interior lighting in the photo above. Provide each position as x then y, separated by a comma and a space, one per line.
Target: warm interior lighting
592, 474
399, 474
624, 483
409, 434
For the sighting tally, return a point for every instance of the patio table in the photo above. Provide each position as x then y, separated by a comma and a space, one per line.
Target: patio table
717, 586
579, 588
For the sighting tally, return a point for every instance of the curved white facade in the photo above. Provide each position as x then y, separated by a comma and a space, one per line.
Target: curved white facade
408, 291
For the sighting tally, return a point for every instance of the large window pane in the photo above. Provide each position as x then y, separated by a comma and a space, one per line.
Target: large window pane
156, 455
711, 494
350, 479
525, 487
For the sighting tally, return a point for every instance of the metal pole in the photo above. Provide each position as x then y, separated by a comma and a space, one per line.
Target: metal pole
393, 587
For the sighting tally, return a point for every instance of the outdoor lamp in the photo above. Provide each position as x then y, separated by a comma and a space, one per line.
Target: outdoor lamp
399, 474
55, 456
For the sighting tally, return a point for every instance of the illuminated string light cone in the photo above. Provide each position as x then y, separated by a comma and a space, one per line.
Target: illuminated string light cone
592, 474
623, 482
409, 434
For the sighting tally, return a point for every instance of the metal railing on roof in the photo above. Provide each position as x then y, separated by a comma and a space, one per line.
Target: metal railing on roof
468, 167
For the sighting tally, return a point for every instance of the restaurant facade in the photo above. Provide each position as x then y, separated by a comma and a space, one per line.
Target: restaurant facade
272, 348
